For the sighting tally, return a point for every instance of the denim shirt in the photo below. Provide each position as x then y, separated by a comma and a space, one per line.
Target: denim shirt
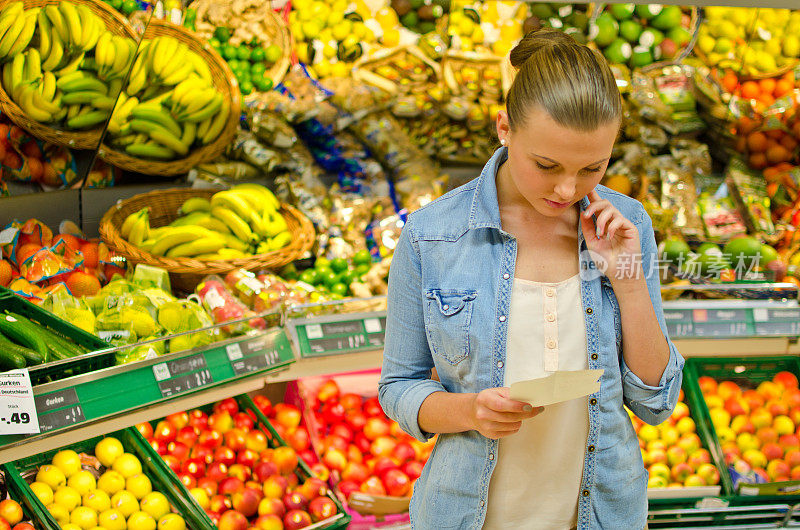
449, 299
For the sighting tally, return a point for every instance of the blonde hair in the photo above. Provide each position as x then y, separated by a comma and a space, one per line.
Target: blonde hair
571, 82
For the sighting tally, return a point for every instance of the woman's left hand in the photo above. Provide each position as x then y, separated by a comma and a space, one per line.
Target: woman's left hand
614, 238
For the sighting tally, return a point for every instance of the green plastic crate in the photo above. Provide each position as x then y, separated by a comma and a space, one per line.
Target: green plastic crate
32, 508
153, 466
56, 370
747, 373
303, 471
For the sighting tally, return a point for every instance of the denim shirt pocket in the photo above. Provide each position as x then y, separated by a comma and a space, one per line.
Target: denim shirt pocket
448, 315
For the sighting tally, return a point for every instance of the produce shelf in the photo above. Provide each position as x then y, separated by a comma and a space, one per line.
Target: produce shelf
337, 334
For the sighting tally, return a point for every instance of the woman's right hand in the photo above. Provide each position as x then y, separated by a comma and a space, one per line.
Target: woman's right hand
495, 415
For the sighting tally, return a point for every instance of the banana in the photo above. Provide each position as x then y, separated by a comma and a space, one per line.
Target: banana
189, 134
84, 97
234, 202
129, 221
51, 107
166, 139
72, 21
218, 123
93, 27
33, 110
7, 21
104, 53
210, 110
280, 240
27, 32
125, 140
275, 223
139, 230
81, 84
234, 242
201, 246
49, 86
178, 235
125, 110
150, 150
194, 101
269, 200
56, 53
10, 37
104, 103
122, 56
176, 62
200, 67
195, 204
180, 74
155, 102
162, 54
214, 224
157, 116
7, 78
183, 89
202, 129
71, 66
89, 119
73, 111
136, 81
60, 115
33, 65
12, 9
235, 224
17, 71
45, 29
193, 218
57, 22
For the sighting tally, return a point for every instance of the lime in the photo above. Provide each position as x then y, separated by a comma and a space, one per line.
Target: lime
222, 34
246, 87
675, 250
351, 276
327, 278
309, 276
243, 53
215, 44
272, 53
234, 64
362, 269
263, 84
339, 288
743, 251
229, 51
362, 257
129, 6
257, 69
322, 263
339, 264
258, 55
116, 4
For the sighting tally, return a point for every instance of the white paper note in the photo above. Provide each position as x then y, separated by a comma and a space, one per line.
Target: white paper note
559, 386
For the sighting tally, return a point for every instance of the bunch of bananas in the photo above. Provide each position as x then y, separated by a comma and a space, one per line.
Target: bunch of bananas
234, 224
61, 64
169, 105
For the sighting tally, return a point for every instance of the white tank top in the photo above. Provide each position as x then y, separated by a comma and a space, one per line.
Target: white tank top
536, 481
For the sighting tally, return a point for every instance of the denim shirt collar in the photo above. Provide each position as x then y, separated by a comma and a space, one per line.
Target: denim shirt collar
485, 210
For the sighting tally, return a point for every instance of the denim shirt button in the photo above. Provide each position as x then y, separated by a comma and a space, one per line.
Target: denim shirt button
491, 456
483, 503
585, 493
588, 310
502, 318
506, 276
594, 356
499, 364
593, 402
591, 449
445, 307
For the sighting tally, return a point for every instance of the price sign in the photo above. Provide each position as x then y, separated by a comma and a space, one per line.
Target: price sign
337, 343
329, 336
182, 375
17, 405
59, 409
184, 383
776, 322
250, 356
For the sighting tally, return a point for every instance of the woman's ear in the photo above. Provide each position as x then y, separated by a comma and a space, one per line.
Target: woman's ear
503, 127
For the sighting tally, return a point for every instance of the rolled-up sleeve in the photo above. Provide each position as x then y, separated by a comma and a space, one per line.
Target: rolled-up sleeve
407, 362
653, 404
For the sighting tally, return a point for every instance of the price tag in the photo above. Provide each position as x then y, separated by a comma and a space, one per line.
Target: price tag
314, 331
184, 383
17, 405
234, 351
372, 325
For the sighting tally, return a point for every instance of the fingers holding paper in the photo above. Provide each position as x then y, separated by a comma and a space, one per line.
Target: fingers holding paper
496, 415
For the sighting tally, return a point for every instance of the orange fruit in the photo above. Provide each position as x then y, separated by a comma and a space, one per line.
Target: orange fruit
750, 90
774, 134
757, 142
90, 255
741, 144
777, 154
767, 85
730, 81
49, 175
5, 273
783, 87
766, 99
789, 143
27, 250
12, 160
35, 169
746, 125
758, 161
31, 149
81, 284
69, 240
11, 511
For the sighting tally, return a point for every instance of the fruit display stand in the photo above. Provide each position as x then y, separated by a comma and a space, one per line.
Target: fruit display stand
22, 472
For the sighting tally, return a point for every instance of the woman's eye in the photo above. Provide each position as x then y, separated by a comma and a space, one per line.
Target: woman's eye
542, 166
593, 169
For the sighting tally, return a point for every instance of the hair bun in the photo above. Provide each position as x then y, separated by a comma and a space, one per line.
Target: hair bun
537, 40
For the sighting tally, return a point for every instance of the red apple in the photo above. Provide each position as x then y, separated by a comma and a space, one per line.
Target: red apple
321, 470
397, 432
208, 484
383, 446
221, 421
287, 415
355, 472
230, 485
247, 458
736, 406
375, 428
785, 379
268, 522
792, 398
240, 471
145, 429
198, 419
690, 443
263, 404
396, 482
235, 439
178, 450
699, 457
219, 503
329, 390
263, 470
295, 501
255, 441
173, 463
793, 457
271, 506
334, 442
373, 486
680, 471
795, 473
681, 411
762, 473
286, 460
195, 467
228, 405
308, 456
242, 420
159, 446
354, 454
225, 455
372, 407
203, 453
362, 442
275, 487
676, 455
313, 488
321, 508
708, 385
777, 408
211, 439
187, 480
296, 519
334, 459
772, 451
709, 473
246, 501
728, 389
347, 487
332, 413
178, 419
217, 471
165, 432
214, 517
343, 431
356, 419
413, 469
753, 399
767, 435
292, 481
299, 440
232, 520
382, 465
404, 452
350, 401
777, 469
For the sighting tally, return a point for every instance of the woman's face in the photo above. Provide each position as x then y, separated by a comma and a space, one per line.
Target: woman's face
554, 167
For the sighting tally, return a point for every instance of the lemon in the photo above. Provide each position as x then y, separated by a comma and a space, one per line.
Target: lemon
141, 521
155, 504
171, 521
83, 517
478, 35
340, 69
127, 465
360, 30
302, 54
67, 497
126, 502
326, 35
97, 500
60, 513
723, 45
726, 28
311, 28
791, 46
773, 47
301, 6
107, 450
706, 43
387, 18
82, 482
466, 44
510, 31
335, 18
43, 492
466, 26
329, 51
350, 41
766, 62
391, 38
52, 476
67, 461
111, 482
341, 30
70, 526
502, 47
323, 69
139, 485
112, 520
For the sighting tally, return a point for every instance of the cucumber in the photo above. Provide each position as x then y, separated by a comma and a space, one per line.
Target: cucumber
31, 358
10, 360
22, 332
69, 348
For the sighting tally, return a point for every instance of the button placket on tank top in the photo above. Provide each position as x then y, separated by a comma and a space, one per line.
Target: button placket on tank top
550, 312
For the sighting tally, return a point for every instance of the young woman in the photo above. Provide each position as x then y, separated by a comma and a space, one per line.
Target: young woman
530, 268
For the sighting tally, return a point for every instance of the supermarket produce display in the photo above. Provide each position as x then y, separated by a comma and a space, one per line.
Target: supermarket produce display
241, 172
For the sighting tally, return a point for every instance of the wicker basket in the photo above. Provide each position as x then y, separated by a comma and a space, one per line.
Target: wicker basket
186, 273
224, 82
85, 139
366, 70
271, 24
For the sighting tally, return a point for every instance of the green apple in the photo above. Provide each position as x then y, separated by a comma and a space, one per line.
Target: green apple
618, 52
630, 30
621, 11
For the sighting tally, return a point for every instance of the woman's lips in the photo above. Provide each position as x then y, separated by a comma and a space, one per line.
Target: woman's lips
555, 204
